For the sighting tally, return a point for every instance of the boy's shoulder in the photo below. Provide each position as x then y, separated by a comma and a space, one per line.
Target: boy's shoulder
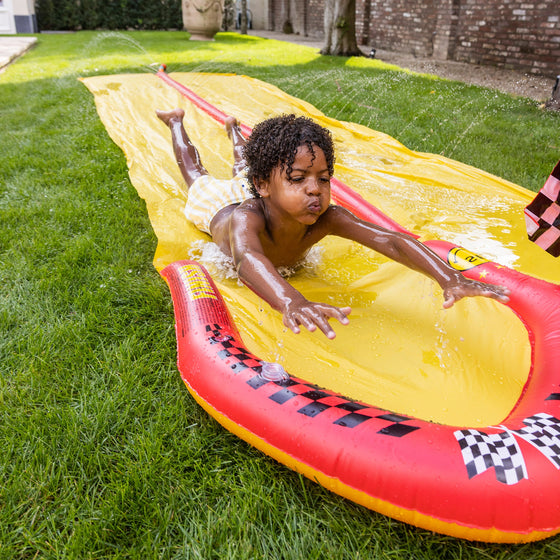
253, 205
334, 213
250, 210
336, 220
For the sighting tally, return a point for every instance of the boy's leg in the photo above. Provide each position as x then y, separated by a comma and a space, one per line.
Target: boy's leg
235, 135
186, 154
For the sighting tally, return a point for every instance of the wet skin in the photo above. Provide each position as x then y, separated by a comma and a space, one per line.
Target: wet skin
292, 215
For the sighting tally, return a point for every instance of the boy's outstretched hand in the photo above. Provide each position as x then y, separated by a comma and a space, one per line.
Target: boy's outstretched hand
312, 315
316, 315
467, 288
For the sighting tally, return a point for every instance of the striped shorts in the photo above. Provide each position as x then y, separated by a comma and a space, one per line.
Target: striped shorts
208, 195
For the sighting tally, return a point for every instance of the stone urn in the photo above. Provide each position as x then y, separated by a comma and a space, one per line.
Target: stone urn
202, 18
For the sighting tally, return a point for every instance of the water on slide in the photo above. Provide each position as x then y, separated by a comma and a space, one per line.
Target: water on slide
465, 366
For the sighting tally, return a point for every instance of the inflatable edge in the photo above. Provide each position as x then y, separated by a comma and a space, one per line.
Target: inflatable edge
382, 507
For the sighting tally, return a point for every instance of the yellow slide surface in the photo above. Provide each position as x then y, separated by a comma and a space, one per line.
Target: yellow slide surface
465, 366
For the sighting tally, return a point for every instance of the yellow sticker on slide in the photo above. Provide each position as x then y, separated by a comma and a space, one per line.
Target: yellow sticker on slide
197, 284
461, 259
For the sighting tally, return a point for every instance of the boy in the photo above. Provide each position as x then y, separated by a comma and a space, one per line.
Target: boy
282, 208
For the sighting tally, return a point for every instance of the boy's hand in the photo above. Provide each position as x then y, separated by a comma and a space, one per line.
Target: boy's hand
312, 315
466, 287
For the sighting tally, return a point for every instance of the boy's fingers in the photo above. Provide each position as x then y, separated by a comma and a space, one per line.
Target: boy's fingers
302, 318
343, 315
309, 324
327, 312
501, 298
291, 324
327, 329
500, 293
317, 316
449, 301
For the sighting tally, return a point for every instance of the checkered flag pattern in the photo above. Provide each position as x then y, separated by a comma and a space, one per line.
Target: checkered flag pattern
482, 451
240, 357
313, 400
543, 432
542, 215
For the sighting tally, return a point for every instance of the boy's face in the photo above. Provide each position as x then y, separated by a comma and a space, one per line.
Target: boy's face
306, 194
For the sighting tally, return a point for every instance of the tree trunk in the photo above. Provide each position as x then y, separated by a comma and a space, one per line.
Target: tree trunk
243, 22
340, 28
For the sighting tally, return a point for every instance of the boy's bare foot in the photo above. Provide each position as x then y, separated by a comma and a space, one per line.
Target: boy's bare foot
168, 116
229, 124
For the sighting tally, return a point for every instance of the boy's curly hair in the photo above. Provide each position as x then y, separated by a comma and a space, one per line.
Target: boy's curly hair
274, 142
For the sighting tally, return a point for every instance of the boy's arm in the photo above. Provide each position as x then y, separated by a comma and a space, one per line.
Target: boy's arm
258, 273
406, 250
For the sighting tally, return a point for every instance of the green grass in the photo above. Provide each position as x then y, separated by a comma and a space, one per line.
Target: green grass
104, 452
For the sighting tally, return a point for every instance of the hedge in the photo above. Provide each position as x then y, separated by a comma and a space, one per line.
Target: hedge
73, 15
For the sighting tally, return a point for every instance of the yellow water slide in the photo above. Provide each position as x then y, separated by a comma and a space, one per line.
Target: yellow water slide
402, 351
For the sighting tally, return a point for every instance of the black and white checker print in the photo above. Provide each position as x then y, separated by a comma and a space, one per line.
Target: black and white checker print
314, 400
483, 451
543, 432
480, 451
230, 348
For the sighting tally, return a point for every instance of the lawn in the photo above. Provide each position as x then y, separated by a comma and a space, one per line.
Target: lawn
105, 453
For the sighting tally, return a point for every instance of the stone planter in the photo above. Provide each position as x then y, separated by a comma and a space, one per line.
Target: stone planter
202, 18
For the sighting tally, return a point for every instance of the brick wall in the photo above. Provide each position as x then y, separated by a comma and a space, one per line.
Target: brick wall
315, 18
398, 25
305, 16
515, 34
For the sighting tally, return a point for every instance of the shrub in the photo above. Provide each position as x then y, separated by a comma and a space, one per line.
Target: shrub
73, 15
